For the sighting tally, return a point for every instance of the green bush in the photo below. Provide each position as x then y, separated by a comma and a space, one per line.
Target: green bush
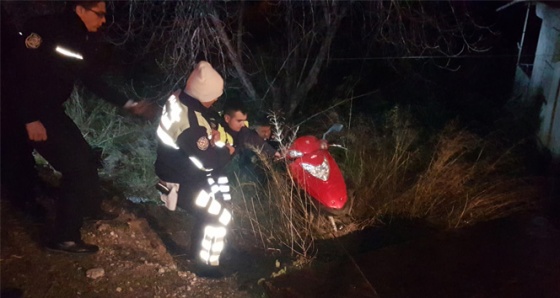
127, 144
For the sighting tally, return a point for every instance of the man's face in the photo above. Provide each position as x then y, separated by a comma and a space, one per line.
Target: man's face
236, 121
93, 17
264, 131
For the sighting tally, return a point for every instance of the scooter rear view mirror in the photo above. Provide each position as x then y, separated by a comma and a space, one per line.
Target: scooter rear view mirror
334, 128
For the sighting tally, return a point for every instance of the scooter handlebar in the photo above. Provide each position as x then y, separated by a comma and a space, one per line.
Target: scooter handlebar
338, 146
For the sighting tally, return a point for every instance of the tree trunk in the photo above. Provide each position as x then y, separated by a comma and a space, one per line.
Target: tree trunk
233, 57
311, 79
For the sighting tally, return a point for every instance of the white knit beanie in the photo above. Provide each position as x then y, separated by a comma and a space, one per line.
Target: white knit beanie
205, 83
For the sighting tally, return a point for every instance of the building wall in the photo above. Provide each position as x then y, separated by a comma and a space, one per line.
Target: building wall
545, 79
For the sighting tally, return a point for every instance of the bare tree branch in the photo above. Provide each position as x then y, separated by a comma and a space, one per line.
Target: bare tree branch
233, 57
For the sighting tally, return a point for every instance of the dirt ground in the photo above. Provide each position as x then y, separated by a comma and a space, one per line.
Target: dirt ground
141, 255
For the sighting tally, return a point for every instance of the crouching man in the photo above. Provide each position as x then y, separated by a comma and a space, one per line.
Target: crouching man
242, 138
190, 162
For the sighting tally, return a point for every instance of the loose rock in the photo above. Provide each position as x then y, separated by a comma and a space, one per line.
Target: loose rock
95, 273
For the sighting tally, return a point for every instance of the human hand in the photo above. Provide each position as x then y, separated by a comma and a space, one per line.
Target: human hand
36, 131
215, 136
231, 149
144, 108
281, 154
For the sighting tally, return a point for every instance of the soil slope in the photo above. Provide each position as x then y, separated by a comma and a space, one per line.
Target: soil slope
140, 256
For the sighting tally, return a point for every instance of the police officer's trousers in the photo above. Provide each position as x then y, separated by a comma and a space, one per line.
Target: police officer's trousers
206, 198
68, 152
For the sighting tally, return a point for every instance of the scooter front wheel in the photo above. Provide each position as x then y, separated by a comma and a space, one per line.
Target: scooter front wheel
344, 211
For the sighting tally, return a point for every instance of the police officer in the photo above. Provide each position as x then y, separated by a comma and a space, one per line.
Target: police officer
190, 160
19, 179
53, 53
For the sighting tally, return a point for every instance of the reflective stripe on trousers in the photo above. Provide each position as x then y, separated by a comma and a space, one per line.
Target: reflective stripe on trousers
215, 230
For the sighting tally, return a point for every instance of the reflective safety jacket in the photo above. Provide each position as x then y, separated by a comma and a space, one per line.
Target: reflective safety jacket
52, 53
185, 149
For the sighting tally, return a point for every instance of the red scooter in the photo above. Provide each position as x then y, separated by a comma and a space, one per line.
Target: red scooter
315, 170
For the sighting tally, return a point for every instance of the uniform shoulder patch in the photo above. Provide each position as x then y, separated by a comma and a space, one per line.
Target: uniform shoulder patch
202, 143
33, 41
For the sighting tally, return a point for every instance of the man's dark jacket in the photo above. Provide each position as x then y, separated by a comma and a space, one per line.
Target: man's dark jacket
246, 139
47, 75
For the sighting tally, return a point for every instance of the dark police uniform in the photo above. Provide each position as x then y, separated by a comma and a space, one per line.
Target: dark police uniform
17, 173
187, 157
52, 53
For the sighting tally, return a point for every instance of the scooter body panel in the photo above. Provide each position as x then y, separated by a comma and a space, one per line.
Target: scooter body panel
330, 191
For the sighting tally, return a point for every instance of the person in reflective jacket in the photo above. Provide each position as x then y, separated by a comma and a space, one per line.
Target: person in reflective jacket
51, 55
190, 161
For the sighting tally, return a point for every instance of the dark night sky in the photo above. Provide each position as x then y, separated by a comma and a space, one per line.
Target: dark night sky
475, 92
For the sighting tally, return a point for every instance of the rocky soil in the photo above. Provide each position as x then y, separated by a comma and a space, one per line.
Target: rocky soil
141, 255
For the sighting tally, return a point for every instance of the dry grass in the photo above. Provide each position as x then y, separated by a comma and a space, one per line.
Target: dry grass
466, 182
272, 213
452, 180
379, 165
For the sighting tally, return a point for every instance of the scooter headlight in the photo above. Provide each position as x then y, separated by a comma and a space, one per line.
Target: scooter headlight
294, 154
320, 172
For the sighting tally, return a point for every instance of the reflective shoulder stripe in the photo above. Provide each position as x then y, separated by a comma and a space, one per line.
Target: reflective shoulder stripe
166, 138
68, 53
204, 123
195, 118
174, 120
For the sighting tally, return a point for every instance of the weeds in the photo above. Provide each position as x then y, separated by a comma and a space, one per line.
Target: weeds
452, 179
273, 213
